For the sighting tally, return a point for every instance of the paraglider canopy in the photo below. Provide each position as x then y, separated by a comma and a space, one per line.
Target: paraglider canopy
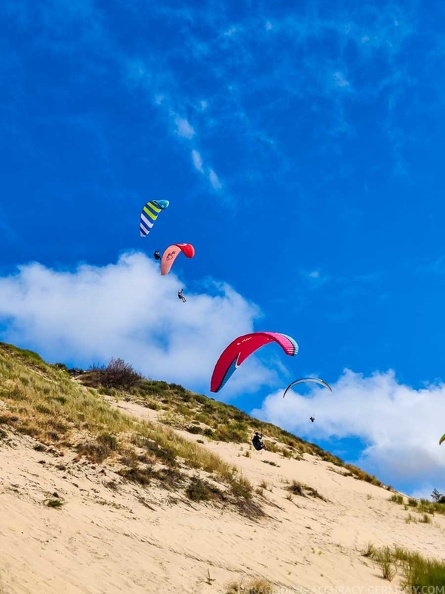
243, 346
149, 215
307, 379
172, 252
442, 439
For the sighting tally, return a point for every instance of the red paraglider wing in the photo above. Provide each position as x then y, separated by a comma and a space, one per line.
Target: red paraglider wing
243, 346
172, 252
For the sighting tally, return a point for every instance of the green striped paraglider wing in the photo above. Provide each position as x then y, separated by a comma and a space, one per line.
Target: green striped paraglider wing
149, 214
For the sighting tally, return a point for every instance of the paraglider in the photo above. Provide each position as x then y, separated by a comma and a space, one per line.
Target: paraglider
257, 441
442, 439
243, 346
307, 379
149, 215
172, 252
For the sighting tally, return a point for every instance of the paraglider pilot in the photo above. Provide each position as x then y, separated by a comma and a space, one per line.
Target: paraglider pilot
258, 441
157, 255
181, 296
312, 419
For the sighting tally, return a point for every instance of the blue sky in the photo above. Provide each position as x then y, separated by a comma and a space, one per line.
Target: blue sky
301, 149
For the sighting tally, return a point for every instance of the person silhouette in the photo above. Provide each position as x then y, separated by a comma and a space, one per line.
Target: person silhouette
257, 441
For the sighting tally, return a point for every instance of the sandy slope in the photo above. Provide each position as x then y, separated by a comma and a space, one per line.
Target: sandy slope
127, 539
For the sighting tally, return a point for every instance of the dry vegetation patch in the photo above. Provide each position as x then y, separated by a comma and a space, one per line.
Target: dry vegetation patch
41, 400
415, 571
302, 490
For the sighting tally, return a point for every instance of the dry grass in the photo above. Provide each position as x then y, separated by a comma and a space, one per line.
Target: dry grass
250, 586
43, 401
297, 488
222, 422
422, 506
415, 571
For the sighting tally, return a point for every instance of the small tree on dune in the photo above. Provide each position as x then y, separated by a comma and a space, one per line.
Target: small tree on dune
438, 497
117, 374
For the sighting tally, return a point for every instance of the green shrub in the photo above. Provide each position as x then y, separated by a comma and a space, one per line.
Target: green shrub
136, 474
117, 374
369, 551
385, 559
201, 490
54, 503
419, 573
296, 488
195, 429
241, 487
396, 498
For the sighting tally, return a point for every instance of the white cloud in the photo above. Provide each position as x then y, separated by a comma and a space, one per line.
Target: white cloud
230, 32
197, 161
213, 178
340, 80
128, 310
315, 278
400, 425
183, 128
208, 173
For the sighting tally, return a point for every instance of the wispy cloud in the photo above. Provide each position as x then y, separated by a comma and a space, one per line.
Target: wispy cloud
199, 83
340, 80
216, 184
197, 161
163, 94
315, 278
400, 425
183, 128
207, 172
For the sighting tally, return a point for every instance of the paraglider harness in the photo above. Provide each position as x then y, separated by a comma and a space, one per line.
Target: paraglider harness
157, 255
257, 441
181, 296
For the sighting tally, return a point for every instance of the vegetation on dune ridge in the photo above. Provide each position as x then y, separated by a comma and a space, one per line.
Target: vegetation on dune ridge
415, 571
198, 414
421, 506
65, 407
42, 400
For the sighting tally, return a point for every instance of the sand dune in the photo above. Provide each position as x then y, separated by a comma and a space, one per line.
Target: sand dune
113, 536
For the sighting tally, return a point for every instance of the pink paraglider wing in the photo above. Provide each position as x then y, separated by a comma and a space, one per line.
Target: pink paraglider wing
243, 346
172, 252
